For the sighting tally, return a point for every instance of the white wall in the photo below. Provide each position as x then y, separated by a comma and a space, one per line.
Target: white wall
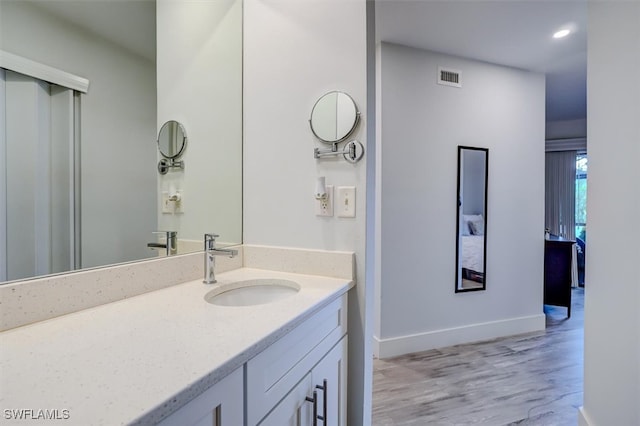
612, 294
422, 124
118, 129
295, 51
199, 58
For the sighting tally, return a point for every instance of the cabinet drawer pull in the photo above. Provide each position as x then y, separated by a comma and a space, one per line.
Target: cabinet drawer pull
325, 393
314, 400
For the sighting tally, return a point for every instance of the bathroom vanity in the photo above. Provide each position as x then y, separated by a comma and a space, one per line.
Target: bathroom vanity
300, 376
171, 357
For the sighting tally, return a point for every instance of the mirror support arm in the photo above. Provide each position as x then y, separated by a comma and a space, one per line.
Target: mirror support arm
165, 165
352, 152
319, 153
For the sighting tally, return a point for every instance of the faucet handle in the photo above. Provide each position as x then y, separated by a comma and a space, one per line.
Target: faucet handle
170, 245
210, 241
167, 233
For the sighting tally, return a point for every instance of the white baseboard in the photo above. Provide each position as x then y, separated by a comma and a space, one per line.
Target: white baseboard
394, 346
583, 418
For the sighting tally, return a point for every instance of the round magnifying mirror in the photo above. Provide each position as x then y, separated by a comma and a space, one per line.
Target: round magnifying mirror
172, 139
334, 116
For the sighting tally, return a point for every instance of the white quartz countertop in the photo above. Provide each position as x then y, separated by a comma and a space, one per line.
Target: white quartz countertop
137, 360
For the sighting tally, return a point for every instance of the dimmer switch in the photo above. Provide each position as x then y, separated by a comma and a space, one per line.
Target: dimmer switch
346, 201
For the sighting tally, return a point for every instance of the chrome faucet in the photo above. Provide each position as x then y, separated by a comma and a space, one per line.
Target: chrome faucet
171, 244
210, 253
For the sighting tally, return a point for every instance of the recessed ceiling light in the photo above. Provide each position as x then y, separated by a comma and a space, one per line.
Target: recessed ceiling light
561, 33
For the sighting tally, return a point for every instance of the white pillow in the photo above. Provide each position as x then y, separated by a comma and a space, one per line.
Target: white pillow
477, 227
464, 228
466, 218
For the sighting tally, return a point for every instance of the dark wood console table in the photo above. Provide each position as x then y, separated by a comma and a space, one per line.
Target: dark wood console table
558, 254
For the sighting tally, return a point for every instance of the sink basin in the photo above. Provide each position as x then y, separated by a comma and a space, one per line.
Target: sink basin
252, 292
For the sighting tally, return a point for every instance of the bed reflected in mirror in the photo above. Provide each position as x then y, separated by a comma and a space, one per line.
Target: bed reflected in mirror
471, 235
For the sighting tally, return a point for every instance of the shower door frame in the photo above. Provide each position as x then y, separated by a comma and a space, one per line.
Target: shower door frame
78, 85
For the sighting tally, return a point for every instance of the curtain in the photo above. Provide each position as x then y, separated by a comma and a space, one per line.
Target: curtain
560, 193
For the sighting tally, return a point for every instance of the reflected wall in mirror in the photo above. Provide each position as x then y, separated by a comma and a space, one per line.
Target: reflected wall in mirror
333, 117
116, 189
199, 81
471, 235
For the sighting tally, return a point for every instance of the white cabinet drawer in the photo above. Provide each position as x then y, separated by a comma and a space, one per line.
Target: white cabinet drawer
274, 372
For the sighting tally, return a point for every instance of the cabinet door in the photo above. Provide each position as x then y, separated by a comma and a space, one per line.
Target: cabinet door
332, 372
328, 380
294, 409
220, 405
279, 368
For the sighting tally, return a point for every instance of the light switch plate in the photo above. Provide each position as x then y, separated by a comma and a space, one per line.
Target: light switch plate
346, 201
324, 207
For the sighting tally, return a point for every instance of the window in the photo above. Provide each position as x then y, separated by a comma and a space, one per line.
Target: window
581, 196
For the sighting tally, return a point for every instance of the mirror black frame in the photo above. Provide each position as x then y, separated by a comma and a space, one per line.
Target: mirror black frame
458, 281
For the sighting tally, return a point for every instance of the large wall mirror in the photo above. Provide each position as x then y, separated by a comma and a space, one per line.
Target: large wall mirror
113, 186
471, 229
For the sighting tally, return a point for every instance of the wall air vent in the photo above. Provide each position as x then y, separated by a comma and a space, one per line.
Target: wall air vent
449, 77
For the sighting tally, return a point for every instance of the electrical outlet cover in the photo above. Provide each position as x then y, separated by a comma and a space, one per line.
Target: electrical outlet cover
179, 205
324, 207
172, 207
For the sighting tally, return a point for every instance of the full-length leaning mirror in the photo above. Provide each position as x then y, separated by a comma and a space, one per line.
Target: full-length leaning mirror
471, 235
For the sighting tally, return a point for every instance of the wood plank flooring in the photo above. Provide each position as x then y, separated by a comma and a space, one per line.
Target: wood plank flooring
531, 379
